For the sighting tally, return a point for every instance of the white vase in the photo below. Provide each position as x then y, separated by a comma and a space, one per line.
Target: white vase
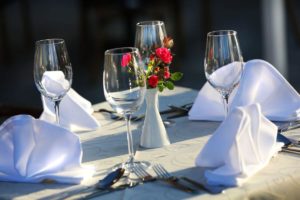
154, 133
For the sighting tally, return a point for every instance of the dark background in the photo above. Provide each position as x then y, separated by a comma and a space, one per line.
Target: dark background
90, 27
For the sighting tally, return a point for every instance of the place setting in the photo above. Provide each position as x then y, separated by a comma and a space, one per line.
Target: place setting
248, 121
38, 150
253, 106
246, 127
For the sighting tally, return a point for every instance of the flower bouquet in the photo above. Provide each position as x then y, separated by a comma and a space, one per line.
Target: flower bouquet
158, 73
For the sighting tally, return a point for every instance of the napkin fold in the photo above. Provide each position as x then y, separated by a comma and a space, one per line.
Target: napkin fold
242, 145
75, 111
261, 83
32, 150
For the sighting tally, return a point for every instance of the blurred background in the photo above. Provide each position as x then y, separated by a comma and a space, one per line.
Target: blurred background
267, 29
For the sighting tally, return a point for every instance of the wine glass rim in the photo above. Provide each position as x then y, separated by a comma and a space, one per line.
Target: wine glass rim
50, 41
150, 23
221, 33
121, 50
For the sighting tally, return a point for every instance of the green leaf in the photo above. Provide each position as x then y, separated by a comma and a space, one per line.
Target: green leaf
161, 86
169, 85
176, 76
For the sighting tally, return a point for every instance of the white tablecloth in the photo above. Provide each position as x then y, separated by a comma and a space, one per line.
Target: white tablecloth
108, 146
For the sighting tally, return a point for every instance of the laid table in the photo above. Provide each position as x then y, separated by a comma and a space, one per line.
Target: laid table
108, 146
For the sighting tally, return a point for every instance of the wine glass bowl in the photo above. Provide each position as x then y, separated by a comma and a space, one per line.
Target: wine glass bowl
124, 89
223, 63
52, 70
121, 88
149, 36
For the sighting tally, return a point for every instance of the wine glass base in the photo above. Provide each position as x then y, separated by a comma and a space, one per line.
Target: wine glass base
129, 168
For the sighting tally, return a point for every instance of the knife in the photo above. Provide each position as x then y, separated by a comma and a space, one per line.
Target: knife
111, 189
174, 181
207, 188
289, 126
289, 146
110, 178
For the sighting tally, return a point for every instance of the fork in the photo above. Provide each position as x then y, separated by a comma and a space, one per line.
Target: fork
143, 175
146, 177
163, 173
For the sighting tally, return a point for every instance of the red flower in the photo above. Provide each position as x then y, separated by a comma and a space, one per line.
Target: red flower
126, 59
164, 54
152, 56
167, 74
152, 81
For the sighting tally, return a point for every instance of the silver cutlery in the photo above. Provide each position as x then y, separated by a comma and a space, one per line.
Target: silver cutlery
110, 179
104, 185
179, 110
291, 150
164, 174
145, 176
289, 145
183, 108
138, 170
111, 189
174, 109
115, 116
288, 126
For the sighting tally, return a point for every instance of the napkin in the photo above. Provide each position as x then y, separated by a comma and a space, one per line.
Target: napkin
261, 83
75, 111
242, 145
32, 150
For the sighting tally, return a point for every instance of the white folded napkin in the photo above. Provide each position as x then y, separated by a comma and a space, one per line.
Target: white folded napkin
242, 145
55, 83
261, 83
75, 111
32, 150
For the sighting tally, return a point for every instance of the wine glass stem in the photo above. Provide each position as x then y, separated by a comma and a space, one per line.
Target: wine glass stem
225, 98
129, 139
56, 108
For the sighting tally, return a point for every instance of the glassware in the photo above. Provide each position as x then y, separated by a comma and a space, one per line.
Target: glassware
124, 89
52, 70
223, 63
149, 36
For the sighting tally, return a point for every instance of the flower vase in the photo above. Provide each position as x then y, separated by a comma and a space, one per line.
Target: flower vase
154, 133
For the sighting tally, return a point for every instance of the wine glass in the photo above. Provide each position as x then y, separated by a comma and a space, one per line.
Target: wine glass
124, 89
149, 36
223, 63
52, 70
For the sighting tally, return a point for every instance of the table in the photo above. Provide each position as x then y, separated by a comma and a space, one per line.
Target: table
108, 146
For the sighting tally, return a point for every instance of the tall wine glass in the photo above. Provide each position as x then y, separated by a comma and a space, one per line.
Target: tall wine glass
149, 36
223, 63
52, 70
124, 89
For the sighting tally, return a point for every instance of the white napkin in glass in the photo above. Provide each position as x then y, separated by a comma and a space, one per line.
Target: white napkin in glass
261, 83
242, 145
75, 111
32, 150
